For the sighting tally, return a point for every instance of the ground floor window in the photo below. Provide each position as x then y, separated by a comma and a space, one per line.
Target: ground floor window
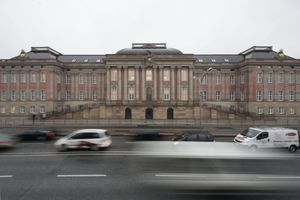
149, 113
128, 113
170, 113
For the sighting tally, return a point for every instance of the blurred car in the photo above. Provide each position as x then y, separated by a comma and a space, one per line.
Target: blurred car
7, 141
154, 135
93, 139
201, 136
36, 134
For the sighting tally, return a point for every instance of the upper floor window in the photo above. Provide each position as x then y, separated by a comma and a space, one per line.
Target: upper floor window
166, 93
148, 74
32, 77
131, 93
114, 93
13, 78
292, 111
81, 95
242, 96
292, 96
43, 95
260, 110
270, 96
3, 110
281, 77
23, 77
4, 77
271, 110
232, 96
270, 77
94, 79
259, 95
81, 79
166, 75
13, 109
3, 95
291, 77
184, 74
280, 96
32, 109
131, 74
22, 109
42, 109
218, 95
32, 95
113, 75
218, 79
281, 110
13, 95
94, 96
58, 78
68, 95
203, 80
242, 79
259, 77
232, 79
68, 79
23, 95
203, 95
184, 93
43, 77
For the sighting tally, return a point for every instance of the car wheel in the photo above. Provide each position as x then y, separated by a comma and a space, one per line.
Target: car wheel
94, 148
292, 148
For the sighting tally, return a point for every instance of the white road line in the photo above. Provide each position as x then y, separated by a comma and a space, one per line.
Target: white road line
279, 177
181, 175
6, 176
79, 175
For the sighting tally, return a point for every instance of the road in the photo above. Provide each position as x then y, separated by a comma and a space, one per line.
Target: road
35, 171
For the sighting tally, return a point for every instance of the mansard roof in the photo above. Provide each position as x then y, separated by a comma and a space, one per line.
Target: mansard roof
149, 48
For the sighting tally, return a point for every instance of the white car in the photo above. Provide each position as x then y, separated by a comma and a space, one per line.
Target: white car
84, 139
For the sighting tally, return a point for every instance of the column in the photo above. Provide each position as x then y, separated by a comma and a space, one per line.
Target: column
160, 82
172, 82
119, 83
143, 95
125, 82
191, 84
154, 82
178, 83
108, 84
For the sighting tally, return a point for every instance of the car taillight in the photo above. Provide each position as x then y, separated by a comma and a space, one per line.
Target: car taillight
50, 134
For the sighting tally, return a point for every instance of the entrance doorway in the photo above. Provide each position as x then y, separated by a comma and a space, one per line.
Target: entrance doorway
149, 113
127, 113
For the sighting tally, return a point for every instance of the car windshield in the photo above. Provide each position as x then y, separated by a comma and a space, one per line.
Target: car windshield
250, 132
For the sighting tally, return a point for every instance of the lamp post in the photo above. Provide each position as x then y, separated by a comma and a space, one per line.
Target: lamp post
200, 79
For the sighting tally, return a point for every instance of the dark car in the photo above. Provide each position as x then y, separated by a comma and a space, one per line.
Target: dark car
36, 134
201, 136
154, 135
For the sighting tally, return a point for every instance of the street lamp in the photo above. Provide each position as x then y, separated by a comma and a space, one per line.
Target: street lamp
200, 79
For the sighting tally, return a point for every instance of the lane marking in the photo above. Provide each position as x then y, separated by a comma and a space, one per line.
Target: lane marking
6, 176
279, 177
181, 175
79, 175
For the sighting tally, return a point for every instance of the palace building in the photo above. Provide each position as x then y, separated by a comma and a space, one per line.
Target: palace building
150, 81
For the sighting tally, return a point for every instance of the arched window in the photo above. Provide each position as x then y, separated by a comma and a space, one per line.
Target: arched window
149, 94
170, 113
127, 113
149, 113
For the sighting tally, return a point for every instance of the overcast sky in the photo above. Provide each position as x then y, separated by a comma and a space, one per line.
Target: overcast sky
106, 26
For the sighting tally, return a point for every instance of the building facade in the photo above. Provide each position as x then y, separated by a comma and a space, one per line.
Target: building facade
150, 81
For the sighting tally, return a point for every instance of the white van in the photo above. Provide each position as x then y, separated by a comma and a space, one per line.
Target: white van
269, 137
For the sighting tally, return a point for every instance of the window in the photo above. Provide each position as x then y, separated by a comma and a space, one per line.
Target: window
226, 60
94, 79
271, 110
281, 77
259, 110
281, 110
3, 95
68, 95
166, 75
42, 109
280, 96
270, 77
4, 77
23, 95
166, 93
184, 74
94, 96
292, 111
270, 96
131, 93
292, 96
22, 109
23, 77
81, 95
43, 95
68, 79
242, 96
131, 75
113, 75
203, 80
203, 95
218, 79
114, 93
218, 95
32, 77
13, 109
2, 110
13, 95
32, 95
232, 79
242, 79
291, 78
259, 77
81, 79
32, 109
259, 95
43, 77
13, 78
184, 93
149, 75
213, 60
232, 96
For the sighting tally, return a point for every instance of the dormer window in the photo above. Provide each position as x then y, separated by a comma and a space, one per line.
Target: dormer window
73, 60
200, 60
98, 60
86, 60
213, 60
226, 60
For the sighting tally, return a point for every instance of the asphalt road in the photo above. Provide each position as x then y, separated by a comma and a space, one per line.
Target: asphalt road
35, 171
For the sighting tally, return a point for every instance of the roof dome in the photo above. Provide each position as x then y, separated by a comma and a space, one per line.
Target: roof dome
149, 48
